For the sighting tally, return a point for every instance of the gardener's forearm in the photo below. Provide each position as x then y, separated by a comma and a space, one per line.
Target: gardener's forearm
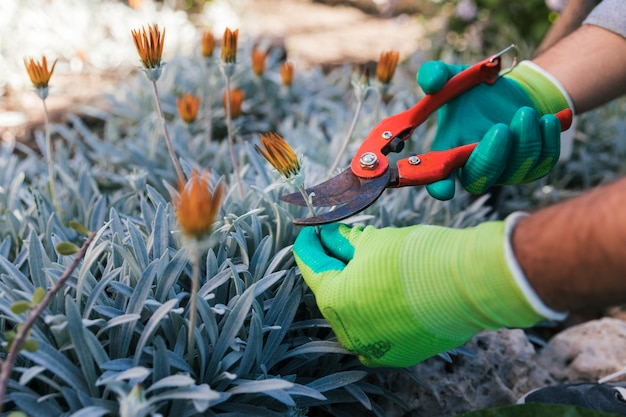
569, 20
574, 253
590, 64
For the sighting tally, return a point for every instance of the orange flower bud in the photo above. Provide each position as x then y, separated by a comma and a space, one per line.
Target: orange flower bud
279, 154
387, 66
229, 46
188, 106
236, 100
208, 44
38, 72
286, 73
149, 45
196, 208
258, 61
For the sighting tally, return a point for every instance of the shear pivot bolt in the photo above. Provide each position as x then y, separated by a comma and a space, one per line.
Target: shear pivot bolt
368, 160
414, 160
387, 134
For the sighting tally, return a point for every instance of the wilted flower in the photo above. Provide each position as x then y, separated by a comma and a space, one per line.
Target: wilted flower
236, 100
387, 66
258, 61
149, 46
229, 46
279, 154
208, 44
39, 74
196, 208
188, 106
361, 85
286, 73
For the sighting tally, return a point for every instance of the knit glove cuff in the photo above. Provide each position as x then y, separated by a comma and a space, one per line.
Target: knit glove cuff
543, 89
484, 285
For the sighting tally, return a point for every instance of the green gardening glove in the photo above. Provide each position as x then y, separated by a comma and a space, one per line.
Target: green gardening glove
513, 121
396, 296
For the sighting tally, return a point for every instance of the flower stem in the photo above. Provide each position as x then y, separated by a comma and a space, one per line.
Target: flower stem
209, 102
193, 302
346, 140
6, 365
179, 172
231, 142
49, 161
309, 205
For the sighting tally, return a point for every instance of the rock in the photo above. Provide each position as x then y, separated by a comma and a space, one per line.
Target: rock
586, 352
501, 371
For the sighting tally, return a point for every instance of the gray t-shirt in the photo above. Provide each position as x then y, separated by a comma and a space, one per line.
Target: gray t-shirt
609, 14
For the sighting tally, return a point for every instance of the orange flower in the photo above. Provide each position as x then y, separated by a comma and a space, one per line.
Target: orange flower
387, 66
135, 4
149, 45
236, 99
38, 71
258, 61
286, 73
188, 106
278, 153
196, 208
229, 46
207, 44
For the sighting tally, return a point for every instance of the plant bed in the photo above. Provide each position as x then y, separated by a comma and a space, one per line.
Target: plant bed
121, 336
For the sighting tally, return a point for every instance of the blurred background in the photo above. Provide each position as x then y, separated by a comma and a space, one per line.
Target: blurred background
92, 42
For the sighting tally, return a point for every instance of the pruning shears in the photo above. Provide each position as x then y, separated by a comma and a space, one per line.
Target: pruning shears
370, 173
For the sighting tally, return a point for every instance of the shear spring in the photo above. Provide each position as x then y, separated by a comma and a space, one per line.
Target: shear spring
504, 51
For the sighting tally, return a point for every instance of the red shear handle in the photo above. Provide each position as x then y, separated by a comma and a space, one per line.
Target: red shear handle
437, 165
403, 124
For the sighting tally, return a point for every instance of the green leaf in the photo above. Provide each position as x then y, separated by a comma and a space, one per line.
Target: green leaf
20, 307
173, 381
337, 380
317, 347
79, 227
38, 295
30, 345
67, 248
37, 260
151, 326
263, 385
76, 331
59, 365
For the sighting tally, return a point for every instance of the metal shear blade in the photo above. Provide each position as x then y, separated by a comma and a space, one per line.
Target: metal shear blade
350, 193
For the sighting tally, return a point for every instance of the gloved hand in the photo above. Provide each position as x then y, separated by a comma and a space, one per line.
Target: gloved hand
513, 120
396, 296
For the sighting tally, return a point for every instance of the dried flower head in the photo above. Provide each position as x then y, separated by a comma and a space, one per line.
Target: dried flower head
207, 45
286, 73
188, 106
196, 207
39, 74
387, 66
279, 154
229, 46
149, 44
258, 61
236, 100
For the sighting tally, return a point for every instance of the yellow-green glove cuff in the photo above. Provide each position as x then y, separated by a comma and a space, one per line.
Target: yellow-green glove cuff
481, 285
543, 89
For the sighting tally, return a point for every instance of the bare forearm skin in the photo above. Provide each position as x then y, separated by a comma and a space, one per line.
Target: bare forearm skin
570, 19
590, 64
574, 253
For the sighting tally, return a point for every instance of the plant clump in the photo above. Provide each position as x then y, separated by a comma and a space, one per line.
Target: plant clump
133, 283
